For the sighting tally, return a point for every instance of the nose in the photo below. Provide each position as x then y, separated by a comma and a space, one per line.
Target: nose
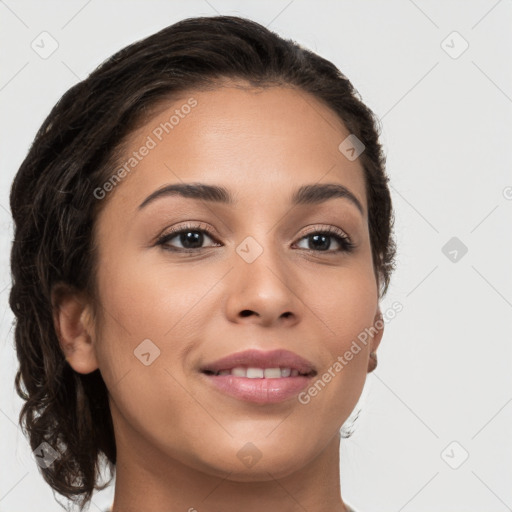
262, 288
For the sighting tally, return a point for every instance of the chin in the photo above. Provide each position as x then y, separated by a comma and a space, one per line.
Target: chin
248, 462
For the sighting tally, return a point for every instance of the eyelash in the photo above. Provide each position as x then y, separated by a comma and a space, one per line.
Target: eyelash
344, 241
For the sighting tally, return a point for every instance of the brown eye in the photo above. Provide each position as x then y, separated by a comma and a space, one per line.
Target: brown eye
321, 241
191, 239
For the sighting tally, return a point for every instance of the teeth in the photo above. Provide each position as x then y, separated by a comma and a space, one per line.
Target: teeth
260, 373
238, 372
255, 373
285, 372
272, 373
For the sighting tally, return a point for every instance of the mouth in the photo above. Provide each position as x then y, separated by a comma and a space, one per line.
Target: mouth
253, 372
260, 377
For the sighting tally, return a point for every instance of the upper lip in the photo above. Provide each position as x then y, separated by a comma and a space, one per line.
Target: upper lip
257, 359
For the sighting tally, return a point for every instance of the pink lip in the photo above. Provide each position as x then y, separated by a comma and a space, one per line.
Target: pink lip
256, 358
263, 390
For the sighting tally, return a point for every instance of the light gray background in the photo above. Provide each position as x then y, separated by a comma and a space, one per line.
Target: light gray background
444, 371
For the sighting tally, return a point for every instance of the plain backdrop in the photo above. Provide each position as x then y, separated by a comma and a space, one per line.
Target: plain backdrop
434, 432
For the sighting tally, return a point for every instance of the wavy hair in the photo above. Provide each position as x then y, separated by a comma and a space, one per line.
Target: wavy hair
54, 208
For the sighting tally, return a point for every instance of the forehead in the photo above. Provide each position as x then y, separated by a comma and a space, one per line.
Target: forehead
259, 143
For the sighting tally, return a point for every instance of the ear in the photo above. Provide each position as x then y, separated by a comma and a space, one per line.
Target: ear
74, 327
378, 325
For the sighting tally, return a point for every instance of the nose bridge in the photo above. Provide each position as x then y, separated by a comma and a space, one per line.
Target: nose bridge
259, 252
262, 278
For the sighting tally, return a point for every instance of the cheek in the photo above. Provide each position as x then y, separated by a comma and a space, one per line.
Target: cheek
345, 305
141, 302
143, 333
347, 314
144, 299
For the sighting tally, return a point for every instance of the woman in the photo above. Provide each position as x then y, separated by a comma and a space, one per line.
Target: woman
203, 232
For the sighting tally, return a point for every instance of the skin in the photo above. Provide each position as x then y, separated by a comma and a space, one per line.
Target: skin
177, 438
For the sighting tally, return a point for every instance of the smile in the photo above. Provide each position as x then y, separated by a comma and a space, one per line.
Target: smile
260, 373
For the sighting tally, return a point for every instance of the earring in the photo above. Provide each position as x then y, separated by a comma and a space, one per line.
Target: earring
373, 362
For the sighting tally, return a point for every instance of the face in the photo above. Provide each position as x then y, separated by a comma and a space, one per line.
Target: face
260, 271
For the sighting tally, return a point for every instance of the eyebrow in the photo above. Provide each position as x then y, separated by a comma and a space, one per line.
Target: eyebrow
305, 195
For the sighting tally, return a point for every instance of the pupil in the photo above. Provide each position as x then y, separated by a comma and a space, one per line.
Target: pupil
325, 245
195, 238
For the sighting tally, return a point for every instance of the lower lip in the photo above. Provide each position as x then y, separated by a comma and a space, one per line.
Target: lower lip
261, 391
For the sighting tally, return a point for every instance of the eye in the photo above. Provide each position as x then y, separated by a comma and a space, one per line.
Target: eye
191, 238
320, 240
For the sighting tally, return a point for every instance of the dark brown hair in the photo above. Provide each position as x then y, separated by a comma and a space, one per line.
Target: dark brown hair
54, 207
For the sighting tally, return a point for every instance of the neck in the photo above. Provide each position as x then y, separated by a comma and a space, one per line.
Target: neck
147, 479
